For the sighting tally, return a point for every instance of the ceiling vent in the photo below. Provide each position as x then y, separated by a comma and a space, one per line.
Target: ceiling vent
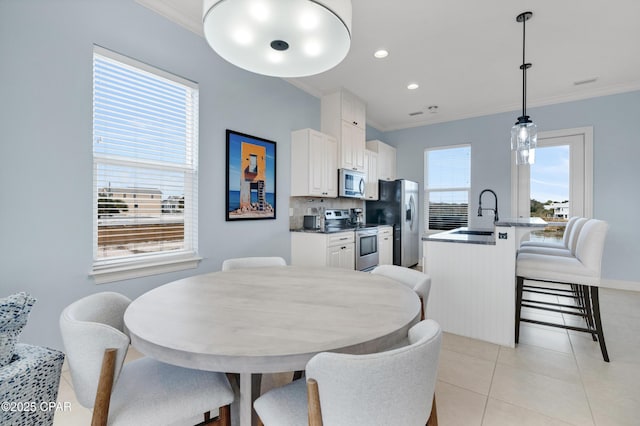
587, 81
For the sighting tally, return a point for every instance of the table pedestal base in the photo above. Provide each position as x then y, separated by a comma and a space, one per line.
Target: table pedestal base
249, 392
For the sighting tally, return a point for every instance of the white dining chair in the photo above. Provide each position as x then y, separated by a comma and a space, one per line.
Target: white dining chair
418, 281
140, 392
559, 276
395, 387
252, 262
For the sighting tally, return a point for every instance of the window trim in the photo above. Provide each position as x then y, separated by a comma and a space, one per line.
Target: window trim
427, 191
117, 269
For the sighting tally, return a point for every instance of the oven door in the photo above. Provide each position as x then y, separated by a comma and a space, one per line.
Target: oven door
366, 249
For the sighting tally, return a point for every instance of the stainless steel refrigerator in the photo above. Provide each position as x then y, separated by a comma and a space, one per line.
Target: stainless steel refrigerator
398, 206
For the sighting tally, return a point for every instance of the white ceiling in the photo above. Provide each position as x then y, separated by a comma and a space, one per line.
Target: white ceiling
466, 55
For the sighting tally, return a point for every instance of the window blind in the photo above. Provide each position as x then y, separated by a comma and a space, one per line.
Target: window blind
145, 141
447, 184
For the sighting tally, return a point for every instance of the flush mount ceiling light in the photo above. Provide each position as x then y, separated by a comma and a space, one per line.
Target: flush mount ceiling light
280, 38
524, 134
413, 86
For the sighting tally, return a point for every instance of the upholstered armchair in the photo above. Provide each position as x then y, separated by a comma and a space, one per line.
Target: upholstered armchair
29, 375
28, 384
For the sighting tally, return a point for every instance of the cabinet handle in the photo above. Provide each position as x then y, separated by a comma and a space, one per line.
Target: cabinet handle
342, 248
355, 122
345, 238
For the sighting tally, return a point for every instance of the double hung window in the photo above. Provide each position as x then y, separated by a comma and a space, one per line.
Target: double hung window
447, 181
145, 157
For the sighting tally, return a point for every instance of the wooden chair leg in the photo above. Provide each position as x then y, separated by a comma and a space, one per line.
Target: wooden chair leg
224, 416
222, 419
313, 402
105, 386
433, 417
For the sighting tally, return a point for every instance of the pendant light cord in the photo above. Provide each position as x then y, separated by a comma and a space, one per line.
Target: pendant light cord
524, 71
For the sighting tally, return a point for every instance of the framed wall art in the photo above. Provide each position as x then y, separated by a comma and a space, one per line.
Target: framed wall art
251, 177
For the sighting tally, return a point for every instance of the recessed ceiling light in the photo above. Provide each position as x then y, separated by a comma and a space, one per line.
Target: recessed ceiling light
413, 86
381, 54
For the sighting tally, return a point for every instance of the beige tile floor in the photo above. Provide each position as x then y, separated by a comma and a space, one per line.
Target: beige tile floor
553, 377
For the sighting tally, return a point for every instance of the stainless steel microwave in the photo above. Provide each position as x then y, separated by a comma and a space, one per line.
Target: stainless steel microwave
351, 183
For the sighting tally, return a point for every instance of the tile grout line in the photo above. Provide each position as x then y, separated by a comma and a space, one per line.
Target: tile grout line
584, 389
493, 373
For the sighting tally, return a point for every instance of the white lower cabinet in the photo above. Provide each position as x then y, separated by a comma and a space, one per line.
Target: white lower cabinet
385, 245
317, 249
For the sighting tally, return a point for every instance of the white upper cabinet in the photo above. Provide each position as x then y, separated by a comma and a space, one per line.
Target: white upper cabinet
314, 164
371, 163
386, 159
353, 109
343, 117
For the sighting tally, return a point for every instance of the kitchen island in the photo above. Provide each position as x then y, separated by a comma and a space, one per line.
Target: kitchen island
473, 279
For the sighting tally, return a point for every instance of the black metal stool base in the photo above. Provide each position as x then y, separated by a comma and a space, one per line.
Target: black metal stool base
587, 306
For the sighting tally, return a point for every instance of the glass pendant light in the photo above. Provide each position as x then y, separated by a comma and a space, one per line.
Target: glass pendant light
524, 134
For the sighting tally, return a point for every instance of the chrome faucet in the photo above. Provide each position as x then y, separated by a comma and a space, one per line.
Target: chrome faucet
495, 211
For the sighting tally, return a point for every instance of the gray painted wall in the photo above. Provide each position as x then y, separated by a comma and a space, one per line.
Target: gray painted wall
46, 145
616, 169
373, 133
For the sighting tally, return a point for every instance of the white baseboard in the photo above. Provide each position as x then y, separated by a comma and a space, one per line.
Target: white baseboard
620, 285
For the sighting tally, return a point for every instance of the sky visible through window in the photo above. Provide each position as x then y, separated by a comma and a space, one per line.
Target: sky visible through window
550, 174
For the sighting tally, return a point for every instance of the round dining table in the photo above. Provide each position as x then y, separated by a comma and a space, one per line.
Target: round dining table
269, 320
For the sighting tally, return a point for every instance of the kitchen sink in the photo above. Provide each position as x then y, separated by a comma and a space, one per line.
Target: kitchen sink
472, 232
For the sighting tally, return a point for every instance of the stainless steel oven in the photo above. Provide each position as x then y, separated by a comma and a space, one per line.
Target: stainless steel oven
366, 248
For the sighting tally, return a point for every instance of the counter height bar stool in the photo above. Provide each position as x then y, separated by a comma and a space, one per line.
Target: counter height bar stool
566, 248
547, 274
570, 243
559, 245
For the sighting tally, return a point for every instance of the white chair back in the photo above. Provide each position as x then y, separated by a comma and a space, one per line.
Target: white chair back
574, 233
418, 281
89, 326
567, 231
387, 388
252, 262
590, 246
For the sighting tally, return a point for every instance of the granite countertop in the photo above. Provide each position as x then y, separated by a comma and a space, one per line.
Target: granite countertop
321, 231
464, 235
530, 222
334, 231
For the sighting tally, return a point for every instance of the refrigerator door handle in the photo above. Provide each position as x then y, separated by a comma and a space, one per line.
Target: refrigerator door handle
410, 214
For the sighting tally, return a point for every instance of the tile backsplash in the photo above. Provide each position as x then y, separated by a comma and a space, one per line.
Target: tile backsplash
300, 206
